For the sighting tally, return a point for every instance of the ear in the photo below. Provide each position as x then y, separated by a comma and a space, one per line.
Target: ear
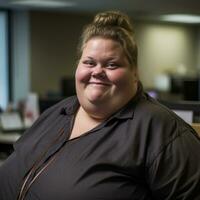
135, 74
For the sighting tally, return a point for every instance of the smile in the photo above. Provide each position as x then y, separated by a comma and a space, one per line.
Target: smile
99, 83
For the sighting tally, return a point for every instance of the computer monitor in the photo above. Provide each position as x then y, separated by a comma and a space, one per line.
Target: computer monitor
176, 84
191, 89
45, 103
68, 87
187, 110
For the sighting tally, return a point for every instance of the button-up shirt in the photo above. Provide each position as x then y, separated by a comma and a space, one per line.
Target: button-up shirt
142, 152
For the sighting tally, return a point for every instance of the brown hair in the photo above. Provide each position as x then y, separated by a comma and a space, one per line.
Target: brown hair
112, 25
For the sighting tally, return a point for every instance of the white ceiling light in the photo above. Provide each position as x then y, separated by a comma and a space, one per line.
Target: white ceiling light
189, 19
43, 3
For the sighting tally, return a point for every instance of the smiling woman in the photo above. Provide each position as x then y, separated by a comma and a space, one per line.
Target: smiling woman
105, 80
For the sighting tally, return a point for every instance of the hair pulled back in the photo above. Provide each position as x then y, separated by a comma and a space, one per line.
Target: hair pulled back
112, 25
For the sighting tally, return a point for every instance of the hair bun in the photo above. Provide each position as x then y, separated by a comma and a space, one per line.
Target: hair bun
113, 18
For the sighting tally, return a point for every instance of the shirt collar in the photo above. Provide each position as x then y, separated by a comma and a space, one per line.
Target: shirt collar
70, 107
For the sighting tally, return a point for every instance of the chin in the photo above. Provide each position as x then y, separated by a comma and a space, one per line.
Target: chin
97, 96
96, 100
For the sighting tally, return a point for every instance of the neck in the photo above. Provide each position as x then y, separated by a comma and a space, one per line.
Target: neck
94, 115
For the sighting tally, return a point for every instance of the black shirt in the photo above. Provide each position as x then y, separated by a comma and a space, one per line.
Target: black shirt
142, 152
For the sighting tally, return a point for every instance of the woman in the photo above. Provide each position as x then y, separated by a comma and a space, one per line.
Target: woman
112, 141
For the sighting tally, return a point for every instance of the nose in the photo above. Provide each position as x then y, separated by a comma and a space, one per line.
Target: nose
98, 71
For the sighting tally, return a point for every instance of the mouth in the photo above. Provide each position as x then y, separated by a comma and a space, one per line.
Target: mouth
99, 83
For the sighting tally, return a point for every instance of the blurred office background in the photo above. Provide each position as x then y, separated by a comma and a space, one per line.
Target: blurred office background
39, 39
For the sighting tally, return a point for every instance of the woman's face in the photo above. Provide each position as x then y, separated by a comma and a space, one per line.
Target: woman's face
104, 75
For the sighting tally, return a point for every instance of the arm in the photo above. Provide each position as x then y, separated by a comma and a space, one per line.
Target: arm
19, 162
175, 171
10, 178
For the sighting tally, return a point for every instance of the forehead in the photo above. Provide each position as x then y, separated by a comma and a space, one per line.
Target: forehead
103, 46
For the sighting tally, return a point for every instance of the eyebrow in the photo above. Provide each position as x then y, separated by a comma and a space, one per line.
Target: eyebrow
109, 58
89, 57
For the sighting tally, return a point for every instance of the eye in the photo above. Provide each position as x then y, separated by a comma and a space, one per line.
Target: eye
113, 65
89, 63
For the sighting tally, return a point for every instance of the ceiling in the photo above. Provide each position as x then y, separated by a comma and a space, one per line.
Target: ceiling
140, 8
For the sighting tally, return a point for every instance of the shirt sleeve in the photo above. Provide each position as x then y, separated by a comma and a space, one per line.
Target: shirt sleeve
10, 178
175, 171
14, 167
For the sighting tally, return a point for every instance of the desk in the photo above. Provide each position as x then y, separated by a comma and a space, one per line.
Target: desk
9, 138
196, 127
6, 144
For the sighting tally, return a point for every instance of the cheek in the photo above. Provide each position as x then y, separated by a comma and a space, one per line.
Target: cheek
119, 77
82, 75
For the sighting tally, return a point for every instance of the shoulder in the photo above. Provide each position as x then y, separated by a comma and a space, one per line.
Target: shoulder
45, 130
160, 126
172, 151
155, 114
52, 117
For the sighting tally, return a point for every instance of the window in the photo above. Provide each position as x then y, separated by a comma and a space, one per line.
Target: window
4, 60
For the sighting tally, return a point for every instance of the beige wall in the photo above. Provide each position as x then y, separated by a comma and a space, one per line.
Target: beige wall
198, 51
54, 37
165, 48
